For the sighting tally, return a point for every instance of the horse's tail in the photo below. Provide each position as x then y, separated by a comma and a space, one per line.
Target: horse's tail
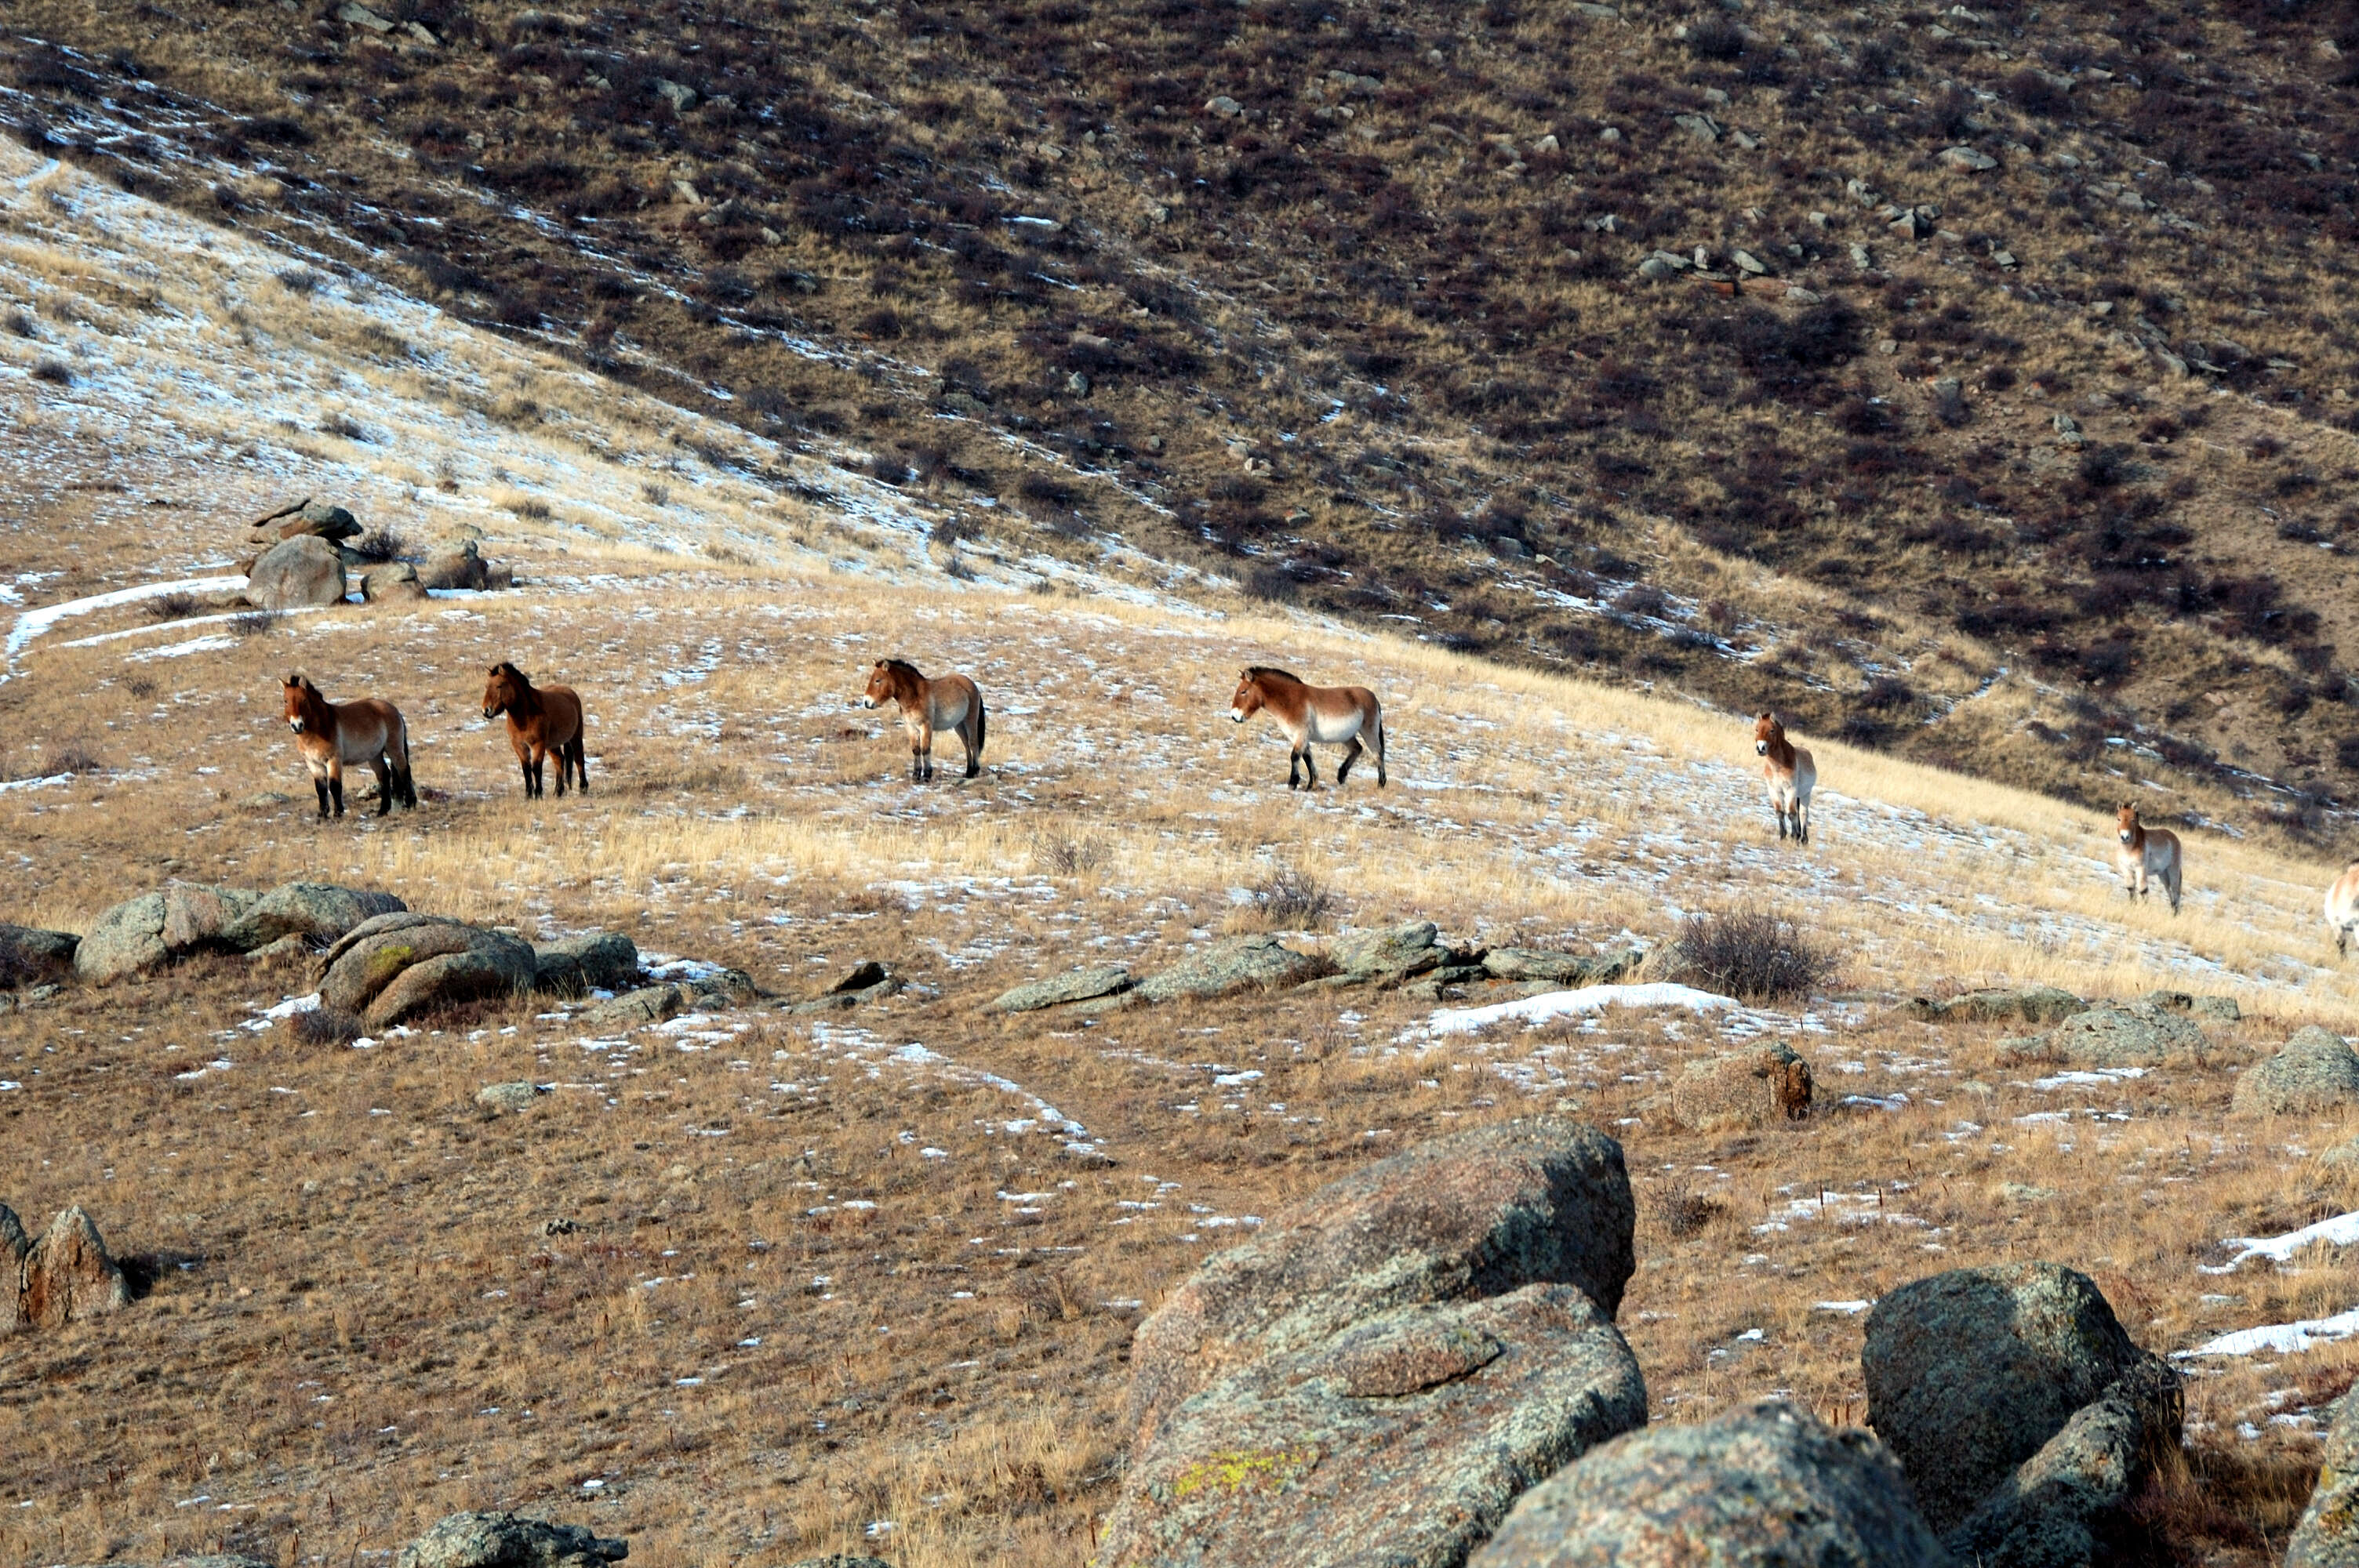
396, 754
1380, 748
981, 722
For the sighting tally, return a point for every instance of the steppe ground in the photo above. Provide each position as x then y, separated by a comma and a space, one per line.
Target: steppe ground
868, 1280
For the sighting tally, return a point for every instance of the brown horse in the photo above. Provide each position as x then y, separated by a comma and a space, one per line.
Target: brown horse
1346, 715
543, 722
951, 702
329, 734
1790, 775
2146, 853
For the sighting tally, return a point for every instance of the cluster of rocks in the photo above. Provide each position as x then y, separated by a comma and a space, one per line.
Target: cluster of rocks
503, 1539
186, 918
65, 1275
374, 957
302, 558
1409, 956
1419, 1364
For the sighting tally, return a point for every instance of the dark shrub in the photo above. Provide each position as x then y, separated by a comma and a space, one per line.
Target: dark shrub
1294, 899
1751, 954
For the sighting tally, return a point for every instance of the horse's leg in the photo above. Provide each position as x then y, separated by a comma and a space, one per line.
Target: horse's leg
385, 790
336, 782
320, 787
1802, 819
1351, 754
581, 764
971, 737
1310, 768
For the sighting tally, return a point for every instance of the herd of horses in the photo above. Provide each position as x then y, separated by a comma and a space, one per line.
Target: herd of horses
546, 721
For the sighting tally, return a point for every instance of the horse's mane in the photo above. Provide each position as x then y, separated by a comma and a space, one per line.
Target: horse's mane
902, 667
1259, 671
505, 667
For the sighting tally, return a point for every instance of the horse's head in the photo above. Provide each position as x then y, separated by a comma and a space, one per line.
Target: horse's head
2126, 823
299, 694
1766, 732
1248, 701
506, 685
880, 685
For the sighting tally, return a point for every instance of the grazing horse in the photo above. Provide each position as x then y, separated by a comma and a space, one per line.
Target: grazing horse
1346, 715
951, 702
2343, 908
2152, 852
1788, 773
542, 721
329, 734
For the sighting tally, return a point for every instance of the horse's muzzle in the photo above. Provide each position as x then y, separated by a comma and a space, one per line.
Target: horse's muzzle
490, 713
1761, 747
867, 702
295, 725
1236, 716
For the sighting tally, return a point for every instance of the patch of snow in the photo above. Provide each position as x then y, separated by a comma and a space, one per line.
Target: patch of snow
2342, 1231
2282, 1339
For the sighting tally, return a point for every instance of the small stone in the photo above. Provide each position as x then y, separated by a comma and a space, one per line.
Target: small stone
1231, 964
30, 957
395, 582
1968, 160
575, 966
1226, 107
1861, 259
1747, 262
680, 97
1408, 949
1078, 384
509, 1098
361, 16
295, 573
1699, 127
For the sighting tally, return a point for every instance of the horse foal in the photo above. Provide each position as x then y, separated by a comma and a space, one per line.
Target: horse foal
1790, 775
330, 735
2148, 853
950, 702
542, 721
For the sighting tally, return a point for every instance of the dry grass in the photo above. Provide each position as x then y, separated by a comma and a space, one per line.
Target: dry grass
377, 1321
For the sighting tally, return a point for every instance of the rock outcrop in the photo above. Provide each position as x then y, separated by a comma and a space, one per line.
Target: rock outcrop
508, 1540
2051, 1512
14, 1245
69, 1274
394, 966
141, 933
1073, 985
1561, 969
1232, 964
1390, 951
1970, 1373
298, 572
1483, 1213
575, 966
1768, 1085
2316, 1071
1769, 1487
508, 1098
1404, 1438
2124, 1034
318, 912
2328, 1535
395, 582
2027, 1004
31, 956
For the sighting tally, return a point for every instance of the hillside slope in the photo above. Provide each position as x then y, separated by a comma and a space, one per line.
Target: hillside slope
752, 1283
1347, 305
